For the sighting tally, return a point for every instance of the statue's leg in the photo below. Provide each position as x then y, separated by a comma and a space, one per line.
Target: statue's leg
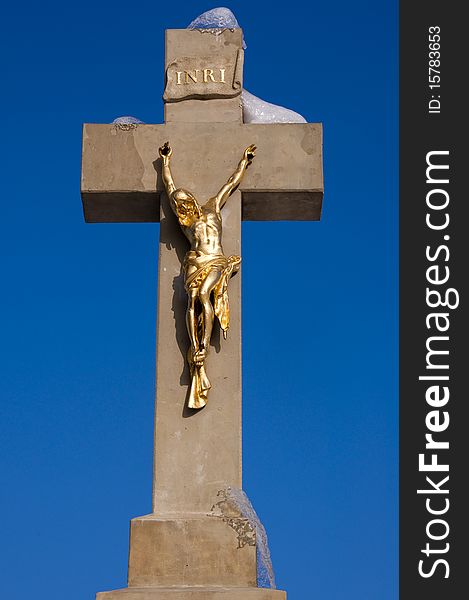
207, 309
191, 320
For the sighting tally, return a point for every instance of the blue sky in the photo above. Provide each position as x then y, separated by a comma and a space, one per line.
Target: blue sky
78, 302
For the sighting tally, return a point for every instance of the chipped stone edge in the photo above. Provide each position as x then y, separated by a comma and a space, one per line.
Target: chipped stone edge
243, 528
126, 126
213, 30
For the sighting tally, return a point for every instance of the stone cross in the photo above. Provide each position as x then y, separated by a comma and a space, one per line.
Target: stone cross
192, 538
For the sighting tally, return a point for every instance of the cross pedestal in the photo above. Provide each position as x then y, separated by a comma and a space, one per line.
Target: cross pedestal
193, 545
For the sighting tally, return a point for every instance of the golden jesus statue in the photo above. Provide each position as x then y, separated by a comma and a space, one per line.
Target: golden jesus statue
206, 269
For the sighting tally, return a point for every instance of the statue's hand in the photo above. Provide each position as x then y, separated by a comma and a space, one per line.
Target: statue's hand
165, 150
250, 153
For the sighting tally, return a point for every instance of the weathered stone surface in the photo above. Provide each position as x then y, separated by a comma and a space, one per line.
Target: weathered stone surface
192, 551
121, 178
187, 593
227, 110
224, 44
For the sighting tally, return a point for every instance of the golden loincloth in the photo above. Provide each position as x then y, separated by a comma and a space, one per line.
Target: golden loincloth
204, 264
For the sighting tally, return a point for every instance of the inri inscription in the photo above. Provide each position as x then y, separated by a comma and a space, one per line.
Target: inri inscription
204, 77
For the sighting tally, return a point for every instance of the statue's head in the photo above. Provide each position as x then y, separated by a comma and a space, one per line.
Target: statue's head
187, 206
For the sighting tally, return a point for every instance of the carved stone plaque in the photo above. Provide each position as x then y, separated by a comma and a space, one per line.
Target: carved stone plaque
204, 77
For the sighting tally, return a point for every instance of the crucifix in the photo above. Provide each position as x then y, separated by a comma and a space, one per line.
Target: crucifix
206, 269
194, 544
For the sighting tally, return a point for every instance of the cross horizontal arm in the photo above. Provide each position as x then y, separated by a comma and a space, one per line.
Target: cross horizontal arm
121, 176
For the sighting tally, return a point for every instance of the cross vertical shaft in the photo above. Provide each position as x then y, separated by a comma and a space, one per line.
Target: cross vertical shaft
196, 453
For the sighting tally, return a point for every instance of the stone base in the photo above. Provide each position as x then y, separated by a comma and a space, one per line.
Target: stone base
193, 593
205, 551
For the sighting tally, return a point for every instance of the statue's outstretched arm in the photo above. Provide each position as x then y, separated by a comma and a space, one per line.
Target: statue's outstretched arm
233, 182
165, 152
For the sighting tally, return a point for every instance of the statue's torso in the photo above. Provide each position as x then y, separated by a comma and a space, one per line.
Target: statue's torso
205, 233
